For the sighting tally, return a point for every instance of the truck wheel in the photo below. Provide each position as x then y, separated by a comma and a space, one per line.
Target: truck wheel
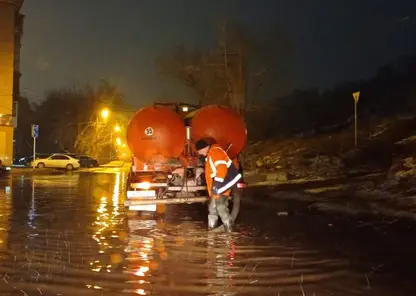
41, 165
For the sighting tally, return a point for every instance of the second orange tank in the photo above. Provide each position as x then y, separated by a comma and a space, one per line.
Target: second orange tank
223, 125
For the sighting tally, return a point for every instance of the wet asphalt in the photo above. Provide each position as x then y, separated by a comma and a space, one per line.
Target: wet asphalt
71, 235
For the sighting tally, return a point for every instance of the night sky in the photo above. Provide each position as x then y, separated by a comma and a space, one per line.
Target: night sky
71, 42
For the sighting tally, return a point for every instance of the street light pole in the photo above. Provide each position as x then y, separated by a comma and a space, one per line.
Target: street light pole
355, 123
104, 114
111, 146
95, 144
34, 151
117, 128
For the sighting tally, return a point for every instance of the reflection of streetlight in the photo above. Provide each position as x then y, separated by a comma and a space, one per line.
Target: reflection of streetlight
5, 217
118, 141
105, 226
117, 128
105, 113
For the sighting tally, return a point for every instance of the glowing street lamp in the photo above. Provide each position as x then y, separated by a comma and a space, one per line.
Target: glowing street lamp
105, 113
117, 128
118, 141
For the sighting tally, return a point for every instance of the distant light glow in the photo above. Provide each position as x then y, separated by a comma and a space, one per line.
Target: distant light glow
105, 113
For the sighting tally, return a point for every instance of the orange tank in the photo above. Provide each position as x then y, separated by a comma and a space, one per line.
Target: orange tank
223, 125
156, 134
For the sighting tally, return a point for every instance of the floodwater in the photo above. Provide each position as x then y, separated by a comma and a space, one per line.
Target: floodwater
70, 235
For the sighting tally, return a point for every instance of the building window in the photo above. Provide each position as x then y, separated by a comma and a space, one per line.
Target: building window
6, 119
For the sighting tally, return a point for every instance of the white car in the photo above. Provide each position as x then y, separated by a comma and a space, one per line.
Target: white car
58, 161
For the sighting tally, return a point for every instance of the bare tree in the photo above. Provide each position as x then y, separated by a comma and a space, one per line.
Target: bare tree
57, 116
223, 75
194, 69
94, 137
216, 76
234, 49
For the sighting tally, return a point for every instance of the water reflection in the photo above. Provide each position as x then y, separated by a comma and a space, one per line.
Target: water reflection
69, 180
66, 239
221, 252
108, 224
140, 254
32, 209
5, 213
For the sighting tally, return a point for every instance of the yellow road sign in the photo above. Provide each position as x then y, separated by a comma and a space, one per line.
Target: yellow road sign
356, 96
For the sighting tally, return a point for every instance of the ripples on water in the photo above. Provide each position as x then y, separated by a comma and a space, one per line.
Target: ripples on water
70, 235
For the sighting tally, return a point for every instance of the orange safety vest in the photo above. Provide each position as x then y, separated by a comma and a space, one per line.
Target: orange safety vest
220, 168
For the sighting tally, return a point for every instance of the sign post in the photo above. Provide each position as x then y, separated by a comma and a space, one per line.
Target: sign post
356, 96
35, 135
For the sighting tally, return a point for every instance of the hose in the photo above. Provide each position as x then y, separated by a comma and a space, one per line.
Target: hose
236, 206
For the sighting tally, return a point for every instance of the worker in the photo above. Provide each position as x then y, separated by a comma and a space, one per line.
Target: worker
220, 175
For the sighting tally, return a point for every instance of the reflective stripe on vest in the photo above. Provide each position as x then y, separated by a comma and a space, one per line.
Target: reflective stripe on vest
229, 184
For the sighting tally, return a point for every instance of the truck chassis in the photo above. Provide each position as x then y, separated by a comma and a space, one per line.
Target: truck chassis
144, 195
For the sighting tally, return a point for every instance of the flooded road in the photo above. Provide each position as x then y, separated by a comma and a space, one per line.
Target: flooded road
70, 235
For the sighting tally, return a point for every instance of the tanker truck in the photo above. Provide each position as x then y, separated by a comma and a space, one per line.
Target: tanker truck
165, 166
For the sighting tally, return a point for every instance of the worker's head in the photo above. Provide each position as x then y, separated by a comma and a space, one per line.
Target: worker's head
202, 146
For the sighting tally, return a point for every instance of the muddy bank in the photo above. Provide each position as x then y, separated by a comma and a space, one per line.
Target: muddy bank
328, 173
383, 145
366, 195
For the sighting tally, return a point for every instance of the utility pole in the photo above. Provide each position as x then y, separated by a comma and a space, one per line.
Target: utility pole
223, 44
234, 72
356, 96
242, 102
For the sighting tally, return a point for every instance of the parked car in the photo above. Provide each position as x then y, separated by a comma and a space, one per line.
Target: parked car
61, 161
85, 161
4, 170
26, 161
